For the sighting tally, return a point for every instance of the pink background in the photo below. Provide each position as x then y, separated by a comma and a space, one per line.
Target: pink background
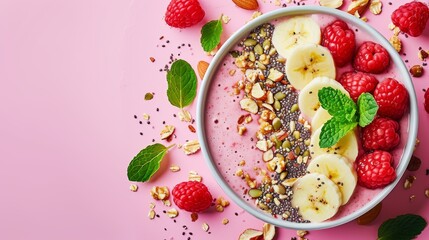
74, 74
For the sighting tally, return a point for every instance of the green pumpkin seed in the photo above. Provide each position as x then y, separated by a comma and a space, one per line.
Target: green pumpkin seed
280, 96
258, 49
250, 42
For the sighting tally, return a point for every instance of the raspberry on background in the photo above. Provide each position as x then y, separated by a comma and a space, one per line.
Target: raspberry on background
340, 40
381, 134
411, 18
184, 13
375, 169
192, 196
371, 58
392, 98
357, 83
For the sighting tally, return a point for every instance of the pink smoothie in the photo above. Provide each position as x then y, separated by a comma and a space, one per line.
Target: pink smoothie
228, 148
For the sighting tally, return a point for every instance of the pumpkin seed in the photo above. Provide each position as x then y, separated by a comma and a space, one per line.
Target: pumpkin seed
250, 42
255, 192
280, 95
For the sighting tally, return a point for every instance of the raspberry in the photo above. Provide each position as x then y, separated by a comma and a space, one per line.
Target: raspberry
392, 98
371, 58
427, 100
184, 13
357, 83
411, 18
375, 169
192, 196
381, 134
340, 41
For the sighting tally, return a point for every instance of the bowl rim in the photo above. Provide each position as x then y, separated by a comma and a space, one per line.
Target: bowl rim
239, 35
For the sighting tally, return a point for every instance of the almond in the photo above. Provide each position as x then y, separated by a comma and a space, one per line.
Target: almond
247, 4
250, 234
202, 68
249, 105
370, 216
269, 231
257, 92
358, 6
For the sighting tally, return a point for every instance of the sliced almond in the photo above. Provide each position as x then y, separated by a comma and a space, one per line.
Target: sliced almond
275, 75
375, 6
250, 234
331, 3
202, 68
191, 147
268, 155
257, 92
358, 6
253, 74
270, 98
249, 105
151, 214
172, 213
185, 116
262, 145
133, 188
167, 131
205, 227
269, 231
247, 4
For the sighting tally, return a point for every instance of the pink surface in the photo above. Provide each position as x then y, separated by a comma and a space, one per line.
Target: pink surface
74, 74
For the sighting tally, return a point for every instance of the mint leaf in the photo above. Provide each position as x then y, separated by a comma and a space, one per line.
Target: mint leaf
367, 109
146, 163
210, 35
403, 227
337, 103
182, 84
333, 130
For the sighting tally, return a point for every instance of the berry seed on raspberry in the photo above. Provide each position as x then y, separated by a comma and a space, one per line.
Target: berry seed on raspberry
371, 58
392, 99
340, 40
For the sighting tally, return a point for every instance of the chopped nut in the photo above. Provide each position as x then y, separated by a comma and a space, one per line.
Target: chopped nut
148, 96
396, 43
241, 130
250, 182
248, 119
239, 173
194, 216
185, 116
268, 155
423, 54
225, 19
151, 214
152, 59
205, 227
427, 192
146, 116
416, 71
167, 131
166, 203
331, 3
262, 145
269, 230
249, 105
375, 6
134, 188
219, 208
225, 221
358, 6
409, 182
257, 92
242, 163
152, 205
396, 31
231, 72
160, 193
191, 147
191, 128
301, 233
174, 168
391, 26
193, 176
256, 14
172, 213
222, 201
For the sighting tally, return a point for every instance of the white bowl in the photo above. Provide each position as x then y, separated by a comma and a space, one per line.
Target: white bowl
232, 42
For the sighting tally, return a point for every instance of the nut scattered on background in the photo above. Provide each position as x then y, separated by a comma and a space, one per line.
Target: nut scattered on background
202, 68
134, 188
423, 54
375, 7
167, 131
247, 4
151, 214
358, 6
160, 193
396, 43
174, 168
191, 147
331, 3
172, 213
408, 183
185, 116
205, 227
416, 71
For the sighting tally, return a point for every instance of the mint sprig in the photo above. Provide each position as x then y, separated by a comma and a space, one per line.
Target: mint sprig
146, 162
182, 84
210, 35
346, 115
403, 227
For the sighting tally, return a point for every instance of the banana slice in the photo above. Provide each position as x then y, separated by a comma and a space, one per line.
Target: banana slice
339, 170
293, 32
347, 146
308, 100
320, 117
316, 197
307, 62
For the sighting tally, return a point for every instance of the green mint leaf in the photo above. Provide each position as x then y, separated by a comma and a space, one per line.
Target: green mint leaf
146, 163
333, 130
367, 109
210, 35
182, 84
403, 227
337, 103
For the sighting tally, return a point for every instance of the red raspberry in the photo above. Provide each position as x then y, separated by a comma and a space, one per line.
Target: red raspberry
381, 134
340, 41
371, 58
411, 18
192, 196
375, 169
427, 100
392, 98
357, 83
184, 13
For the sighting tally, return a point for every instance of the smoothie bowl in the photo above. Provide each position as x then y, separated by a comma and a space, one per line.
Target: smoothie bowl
299, 127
